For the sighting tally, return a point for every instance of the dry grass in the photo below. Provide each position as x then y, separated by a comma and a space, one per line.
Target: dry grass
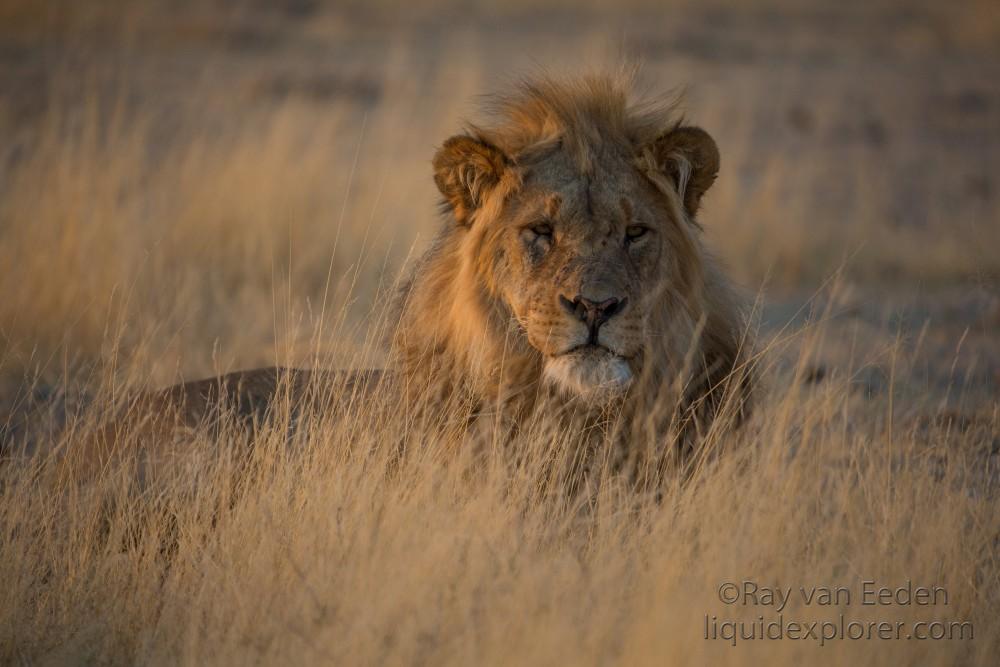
192, 191
330, 549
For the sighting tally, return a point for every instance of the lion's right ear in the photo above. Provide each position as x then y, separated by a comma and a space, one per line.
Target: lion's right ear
466, 170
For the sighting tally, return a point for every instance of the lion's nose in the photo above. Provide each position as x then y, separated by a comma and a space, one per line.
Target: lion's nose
593, 313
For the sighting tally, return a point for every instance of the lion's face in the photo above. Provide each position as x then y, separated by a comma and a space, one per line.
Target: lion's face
580, 257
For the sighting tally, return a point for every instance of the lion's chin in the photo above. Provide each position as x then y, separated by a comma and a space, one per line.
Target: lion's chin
596, 375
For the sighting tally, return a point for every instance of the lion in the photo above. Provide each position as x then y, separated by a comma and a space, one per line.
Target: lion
569, 274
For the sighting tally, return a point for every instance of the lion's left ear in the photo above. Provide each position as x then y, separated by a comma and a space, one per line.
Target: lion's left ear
689, 158
466, 169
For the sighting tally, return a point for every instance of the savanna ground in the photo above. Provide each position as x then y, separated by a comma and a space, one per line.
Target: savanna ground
189, 188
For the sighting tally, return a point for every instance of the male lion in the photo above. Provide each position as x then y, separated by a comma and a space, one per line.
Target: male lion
569, 273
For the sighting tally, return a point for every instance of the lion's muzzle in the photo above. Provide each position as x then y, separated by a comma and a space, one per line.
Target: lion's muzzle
591, 372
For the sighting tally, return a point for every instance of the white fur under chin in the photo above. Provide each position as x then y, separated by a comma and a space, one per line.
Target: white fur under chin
594, 378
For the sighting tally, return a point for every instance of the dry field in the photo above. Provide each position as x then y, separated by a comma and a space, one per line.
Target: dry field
189, 188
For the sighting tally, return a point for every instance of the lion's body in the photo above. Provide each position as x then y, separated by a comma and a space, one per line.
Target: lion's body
570, 272
152, 425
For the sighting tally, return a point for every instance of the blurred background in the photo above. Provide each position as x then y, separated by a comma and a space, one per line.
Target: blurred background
197, 185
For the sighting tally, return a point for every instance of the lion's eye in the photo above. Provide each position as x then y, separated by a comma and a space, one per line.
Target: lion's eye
542, 229
635, 232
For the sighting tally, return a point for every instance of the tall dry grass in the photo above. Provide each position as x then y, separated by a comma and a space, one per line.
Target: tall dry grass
325, 545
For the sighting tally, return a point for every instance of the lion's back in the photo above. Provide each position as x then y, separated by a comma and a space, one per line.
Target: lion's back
153, 424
